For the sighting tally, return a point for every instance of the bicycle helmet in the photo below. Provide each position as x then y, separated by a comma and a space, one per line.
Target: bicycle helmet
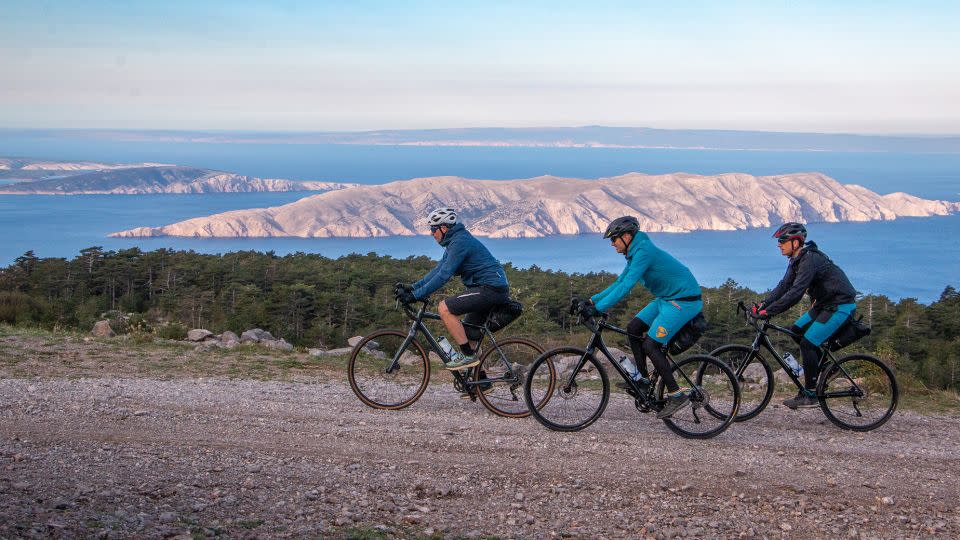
791, 230
621, 225
442, 216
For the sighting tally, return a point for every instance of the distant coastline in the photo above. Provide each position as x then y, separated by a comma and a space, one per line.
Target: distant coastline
545, 137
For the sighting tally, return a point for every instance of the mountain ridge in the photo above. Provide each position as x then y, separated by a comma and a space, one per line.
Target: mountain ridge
549, 205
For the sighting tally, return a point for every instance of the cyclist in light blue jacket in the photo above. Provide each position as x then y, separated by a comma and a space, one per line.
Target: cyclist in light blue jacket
677, 301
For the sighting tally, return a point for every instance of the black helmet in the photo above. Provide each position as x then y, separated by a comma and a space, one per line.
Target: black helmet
621, 225
791, 230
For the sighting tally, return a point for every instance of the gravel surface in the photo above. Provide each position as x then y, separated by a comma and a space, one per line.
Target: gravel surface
115, 456
161, 458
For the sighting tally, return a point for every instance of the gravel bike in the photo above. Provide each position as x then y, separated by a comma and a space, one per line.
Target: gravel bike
857, 392
582, 389
390, 368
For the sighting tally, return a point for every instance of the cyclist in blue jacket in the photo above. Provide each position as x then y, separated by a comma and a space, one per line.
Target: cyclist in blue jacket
482, 275
677, 301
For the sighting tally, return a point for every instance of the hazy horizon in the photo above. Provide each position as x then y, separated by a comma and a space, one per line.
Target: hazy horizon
814, 67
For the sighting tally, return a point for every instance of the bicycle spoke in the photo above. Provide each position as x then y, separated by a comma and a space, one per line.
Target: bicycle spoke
379, 380
858, 392
715, 400
578, 399
506, 367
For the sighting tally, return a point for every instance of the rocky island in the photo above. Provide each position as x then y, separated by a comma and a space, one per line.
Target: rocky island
139, 179
550, 205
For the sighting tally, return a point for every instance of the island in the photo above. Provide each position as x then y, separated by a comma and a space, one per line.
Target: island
550, 205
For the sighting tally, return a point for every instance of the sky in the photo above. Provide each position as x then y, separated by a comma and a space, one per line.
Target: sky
852, 66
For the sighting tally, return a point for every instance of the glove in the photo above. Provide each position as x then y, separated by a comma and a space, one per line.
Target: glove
406, 296
756, 309
574, 305
588, 311
762, 314
400, 286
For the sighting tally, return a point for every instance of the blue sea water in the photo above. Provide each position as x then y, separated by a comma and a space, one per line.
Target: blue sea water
924, 175
903, 258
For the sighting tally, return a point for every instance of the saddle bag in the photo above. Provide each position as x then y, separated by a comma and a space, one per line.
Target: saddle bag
503, 315
688, 335
852, 331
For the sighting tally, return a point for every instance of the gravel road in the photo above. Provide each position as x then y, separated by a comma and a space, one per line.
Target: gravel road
111, 457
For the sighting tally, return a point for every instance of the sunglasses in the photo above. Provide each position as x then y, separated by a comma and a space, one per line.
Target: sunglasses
435, 228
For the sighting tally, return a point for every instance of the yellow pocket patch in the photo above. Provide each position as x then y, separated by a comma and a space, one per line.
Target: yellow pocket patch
661, 331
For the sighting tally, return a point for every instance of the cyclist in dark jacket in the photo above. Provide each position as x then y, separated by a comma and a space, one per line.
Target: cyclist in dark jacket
481, 273
833, 301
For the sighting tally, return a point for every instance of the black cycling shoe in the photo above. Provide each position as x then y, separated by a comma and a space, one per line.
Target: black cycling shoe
802, 401
675, 402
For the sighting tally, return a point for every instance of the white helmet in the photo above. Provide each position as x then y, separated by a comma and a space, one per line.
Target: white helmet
442, 216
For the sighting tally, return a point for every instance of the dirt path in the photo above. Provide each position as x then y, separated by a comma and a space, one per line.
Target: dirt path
110, 457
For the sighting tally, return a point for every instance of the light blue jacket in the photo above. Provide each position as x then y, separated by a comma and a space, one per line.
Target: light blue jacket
653, 268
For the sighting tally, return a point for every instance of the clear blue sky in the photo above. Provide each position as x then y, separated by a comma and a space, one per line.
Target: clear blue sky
848, 66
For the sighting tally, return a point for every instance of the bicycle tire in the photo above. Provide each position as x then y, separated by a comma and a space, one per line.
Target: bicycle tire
489, 363
740, 358
549, 413
703, 397
886, 379
413, 387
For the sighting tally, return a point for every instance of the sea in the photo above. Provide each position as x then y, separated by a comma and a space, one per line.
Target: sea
905, 258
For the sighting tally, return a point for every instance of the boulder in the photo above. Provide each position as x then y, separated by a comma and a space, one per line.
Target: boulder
278, 344
754, 372
102, 329
199, 334
229, 336
354, 340
256, 335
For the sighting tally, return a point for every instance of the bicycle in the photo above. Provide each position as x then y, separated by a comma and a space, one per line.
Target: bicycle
390, 369
582, 392
846, 388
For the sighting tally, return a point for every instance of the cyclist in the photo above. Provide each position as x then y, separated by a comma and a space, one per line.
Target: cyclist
677, 301
481, 273
809, 270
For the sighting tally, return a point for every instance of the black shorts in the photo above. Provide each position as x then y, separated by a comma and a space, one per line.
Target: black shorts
476, 303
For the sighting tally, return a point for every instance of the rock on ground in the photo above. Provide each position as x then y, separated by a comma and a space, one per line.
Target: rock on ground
102, 329
199, 334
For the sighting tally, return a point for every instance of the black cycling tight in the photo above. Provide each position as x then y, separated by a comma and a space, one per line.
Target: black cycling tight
650, 348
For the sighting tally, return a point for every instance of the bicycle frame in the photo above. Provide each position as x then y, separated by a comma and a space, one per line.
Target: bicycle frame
762, 339
597, 344
418, 327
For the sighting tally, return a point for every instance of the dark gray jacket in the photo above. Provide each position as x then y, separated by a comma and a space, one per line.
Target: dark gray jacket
810, 271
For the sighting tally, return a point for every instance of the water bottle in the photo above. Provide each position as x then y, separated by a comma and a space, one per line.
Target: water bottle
628, 366
795, 366
445, 346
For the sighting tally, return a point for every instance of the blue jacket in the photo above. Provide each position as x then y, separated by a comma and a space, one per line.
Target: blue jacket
653, 268
466, 257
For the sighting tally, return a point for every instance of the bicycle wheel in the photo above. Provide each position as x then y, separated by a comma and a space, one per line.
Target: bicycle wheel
754, 376
509, 363
858, 392
715, 401
566, 402
373, 384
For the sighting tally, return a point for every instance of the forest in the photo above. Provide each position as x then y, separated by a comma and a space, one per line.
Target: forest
315, 301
